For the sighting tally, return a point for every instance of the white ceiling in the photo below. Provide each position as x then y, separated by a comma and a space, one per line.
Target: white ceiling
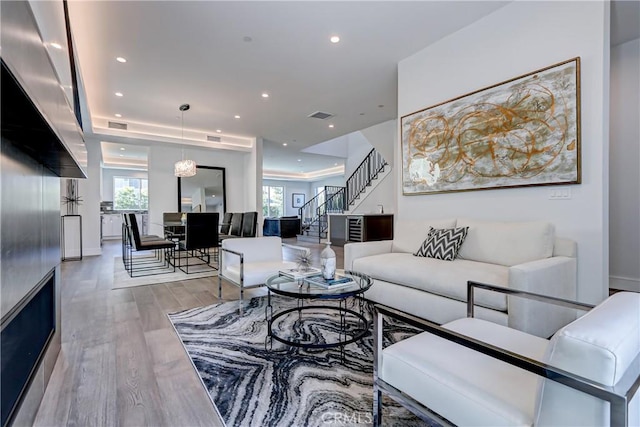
115, 155
197, 53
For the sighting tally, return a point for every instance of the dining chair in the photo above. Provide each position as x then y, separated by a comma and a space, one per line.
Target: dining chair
235, 227
226, 223
249, 224
135, 244
201, 237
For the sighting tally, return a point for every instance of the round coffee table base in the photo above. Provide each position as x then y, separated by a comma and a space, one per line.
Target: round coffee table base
355, 335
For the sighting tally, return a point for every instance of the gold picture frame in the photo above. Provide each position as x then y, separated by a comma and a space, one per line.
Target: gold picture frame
518, 133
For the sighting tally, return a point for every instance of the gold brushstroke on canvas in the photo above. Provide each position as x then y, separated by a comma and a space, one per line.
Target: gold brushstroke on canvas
521, 132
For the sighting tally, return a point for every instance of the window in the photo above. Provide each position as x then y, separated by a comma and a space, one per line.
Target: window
272, 201
130, 193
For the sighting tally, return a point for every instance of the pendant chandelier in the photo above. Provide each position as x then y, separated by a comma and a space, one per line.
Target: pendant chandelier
184, 168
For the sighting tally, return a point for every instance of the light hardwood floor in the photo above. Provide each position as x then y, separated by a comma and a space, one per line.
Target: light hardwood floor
121, 362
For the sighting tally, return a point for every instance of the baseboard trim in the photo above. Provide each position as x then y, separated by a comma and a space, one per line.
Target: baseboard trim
624, 283
92, 252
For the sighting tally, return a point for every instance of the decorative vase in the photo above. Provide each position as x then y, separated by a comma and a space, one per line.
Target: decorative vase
328, 262
183, 219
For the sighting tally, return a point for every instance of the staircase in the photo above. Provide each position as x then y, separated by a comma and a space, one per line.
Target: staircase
314, 221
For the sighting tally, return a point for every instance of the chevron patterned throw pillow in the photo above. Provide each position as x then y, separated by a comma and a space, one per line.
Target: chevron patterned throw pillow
442, 243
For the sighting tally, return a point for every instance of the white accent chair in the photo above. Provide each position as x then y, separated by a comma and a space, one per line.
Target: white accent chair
248, 262
473, 372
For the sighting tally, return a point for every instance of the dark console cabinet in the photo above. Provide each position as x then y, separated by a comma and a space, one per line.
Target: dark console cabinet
361, 228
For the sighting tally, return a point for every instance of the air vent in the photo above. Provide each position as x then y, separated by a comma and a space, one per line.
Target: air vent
320, 115
214, 138
116, 125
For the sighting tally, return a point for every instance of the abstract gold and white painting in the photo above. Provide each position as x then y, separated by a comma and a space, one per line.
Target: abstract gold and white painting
521, 132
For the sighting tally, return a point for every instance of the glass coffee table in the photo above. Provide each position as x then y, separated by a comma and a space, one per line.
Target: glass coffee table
349, 325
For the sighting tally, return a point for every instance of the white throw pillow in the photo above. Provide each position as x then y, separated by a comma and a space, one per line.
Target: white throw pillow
409, 235
506, 243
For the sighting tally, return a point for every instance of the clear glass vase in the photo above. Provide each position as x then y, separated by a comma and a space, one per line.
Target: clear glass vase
328, 262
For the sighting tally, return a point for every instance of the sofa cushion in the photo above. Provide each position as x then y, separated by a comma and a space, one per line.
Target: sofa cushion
506, 243
462, 385
443, 243
409, 235
445, 278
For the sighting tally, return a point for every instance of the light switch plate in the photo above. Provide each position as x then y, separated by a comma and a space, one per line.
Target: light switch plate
560, 193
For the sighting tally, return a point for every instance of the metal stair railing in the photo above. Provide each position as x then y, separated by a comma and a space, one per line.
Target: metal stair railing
361, 178
308, 212
334, 204
314, 212
334, 199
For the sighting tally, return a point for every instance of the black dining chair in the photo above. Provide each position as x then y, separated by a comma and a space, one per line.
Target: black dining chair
226, 223
235, 227
201, 237
249, 224
135, 243
126, 237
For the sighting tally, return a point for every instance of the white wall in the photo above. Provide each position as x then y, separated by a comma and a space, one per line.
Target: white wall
89, 190
383, 138
382, 194
517, 39
291, 187
163, 185
624, 167
358, 147
337, 181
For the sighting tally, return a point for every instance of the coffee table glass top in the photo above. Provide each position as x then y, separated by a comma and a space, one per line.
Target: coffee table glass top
300, 288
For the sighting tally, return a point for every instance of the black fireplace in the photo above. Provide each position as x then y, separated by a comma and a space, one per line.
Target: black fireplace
24, 338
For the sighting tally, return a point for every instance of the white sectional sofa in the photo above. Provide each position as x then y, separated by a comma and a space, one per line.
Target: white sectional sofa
525, 256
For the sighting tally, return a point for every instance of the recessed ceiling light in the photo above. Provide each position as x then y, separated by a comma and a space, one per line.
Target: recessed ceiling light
121, 155
219, 130
56, 45
335, 164
331, 125
237, 116
265, 95
284, 144
119, 94
299, 160
118, 115
362, 114
380, 106
334, 39
122, 148
121, 59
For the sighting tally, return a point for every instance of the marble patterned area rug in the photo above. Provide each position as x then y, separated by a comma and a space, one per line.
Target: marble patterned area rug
121, 278
283, 386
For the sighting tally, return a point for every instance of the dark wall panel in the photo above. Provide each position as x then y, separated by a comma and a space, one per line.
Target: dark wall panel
30, 224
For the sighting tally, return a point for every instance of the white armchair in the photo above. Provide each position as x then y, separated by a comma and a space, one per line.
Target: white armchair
474, 372
248, 262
